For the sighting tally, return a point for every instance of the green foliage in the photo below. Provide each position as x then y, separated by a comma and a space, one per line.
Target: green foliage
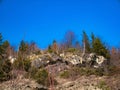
27, 64
99, 72
6, 44
5, 65
50, 49
72, 50
37, 52
76, 71
86, 71
65, 74
5, 68
92, 71
99, 48
23, 47
1, 39
22, 64
102, 85
2, 49
42, 77
32, 71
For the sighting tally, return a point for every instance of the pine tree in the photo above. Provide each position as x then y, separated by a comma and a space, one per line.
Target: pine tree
23, 47
50, 49
99, 48
5, 65
1, 45
1, 39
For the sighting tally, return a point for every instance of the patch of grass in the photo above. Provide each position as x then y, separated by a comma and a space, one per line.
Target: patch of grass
71, 50
90, 71
102, 85
65, 74
77, 71
42, 77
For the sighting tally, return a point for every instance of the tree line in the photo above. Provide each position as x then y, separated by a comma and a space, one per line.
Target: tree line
92, 44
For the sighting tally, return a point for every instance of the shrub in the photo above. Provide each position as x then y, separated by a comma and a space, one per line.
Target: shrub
32, 71
89, 71
86, 71
113, 70
27, 64
65, 74
24, 64
42, 77
102, 85
99, 72
71, 50
5, 68
37, 52
77, 71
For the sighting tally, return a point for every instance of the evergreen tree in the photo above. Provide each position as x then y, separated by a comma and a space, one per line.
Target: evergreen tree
92, 41
5, 46
99, 48
50, 49
1, 45
5, 65
92, 37
1, 38
23, 47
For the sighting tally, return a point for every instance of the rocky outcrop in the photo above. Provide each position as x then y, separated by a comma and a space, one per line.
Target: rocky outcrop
70, 58
91, 58
56, 68
41, 60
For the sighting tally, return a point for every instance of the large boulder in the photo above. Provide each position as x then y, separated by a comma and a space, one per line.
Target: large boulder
95, 60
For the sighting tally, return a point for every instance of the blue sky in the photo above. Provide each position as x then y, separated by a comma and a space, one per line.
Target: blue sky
45, 20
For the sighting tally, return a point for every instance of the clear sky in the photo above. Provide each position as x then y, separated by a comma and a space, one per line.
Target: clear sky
45, 20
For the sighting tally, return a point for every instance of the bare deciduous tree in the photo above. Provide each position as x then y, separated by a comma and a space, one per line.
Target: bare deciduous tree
69, 39
115, 56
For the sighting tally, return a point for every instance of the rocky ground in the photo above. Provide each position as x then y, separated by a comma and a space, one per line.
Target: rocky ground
91, 83
82, 83
56, 64
22, 84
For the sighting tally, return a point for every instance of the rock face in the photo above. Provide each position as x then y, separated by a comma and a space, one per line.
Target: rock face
12, 59
45, 59
87, 58
41, 60
56, 68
